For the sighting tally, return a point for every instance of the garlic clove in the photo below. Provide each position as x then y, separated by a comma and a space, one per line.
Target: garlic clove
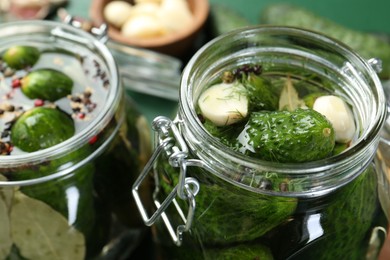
147, 8
175, 20
147, 1
175, 15
143, 26
117, 12
224, 103
174, 4
339, 114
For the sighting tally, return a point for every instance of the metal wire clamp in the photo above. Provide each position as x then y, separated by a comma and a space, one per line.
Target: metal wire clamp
170, 141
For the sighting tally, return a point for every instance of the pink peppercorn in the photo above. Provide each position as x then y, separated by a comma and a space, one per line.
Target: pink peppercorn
16, 83
93, 139
38, 102
81, 115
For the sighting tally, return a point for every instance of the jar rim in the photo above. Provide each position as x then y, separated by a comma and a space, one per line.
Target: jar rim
337, 166
67, 32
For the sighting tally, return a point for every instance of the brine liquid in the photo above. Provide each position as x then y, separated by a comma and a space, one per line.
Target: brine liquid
235, 224
340, 225
89, 75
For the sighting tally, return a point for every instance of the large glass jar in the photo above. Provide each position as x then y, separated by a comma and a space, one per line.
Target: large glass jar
216, 203
71, 200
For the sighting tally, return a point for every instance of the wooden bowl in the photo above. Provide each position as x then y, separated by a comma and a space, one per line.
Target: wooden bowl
175, 44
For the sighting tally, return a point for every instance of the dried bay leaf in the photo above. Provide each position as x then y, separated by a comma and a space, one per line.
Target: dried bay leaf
289, 98
6, 195
42, 233
5, 231
382, 160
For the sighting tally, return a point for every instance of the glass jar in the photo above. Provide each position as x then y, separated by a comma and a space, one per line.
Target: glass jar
71, 200
217, 203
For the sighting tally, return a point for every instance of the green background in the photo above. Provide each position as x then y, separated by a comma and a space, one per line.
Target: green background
368, 15
364, 15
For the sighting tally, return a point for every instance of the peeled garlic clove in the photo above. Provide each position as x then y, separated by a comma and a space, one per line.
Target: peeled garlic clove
143, 26
147, 1
173, 4
339, 114
117, 12
224, 104
175, 14
147, 8
170, 19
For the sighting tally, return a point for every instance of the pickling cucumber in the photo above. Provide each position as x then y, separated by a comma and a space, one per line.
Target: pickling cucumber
40, 128
281, 136
227, 215
261, 96
44, 127
339, 221
20, 57
241, 251
46, 84
365, 44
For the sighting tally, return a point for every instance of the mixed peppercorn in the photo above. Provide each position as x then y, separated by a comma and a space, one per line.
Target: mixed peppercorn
42, 87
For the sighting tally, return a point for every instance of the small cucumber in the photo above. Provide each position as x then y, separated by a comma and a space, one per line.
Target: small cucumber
348, 216
40, 128
300, 136
226, 134
367, 45
242, 251
261, 96
311, 98
46, 84
20, 57
227, 215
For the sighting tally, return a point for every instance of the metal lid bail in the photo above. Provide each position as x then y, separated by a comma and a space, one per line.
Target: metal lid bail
169, 140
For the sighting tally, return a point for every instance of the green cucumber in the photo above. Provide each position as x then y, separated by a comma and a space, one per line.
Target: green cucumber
241, 251
43, 127
227, 215
20, 57
40, 128
339, 148
224, 19
282, 136
311, 98
347, 221
261, 96
365, 44
46, 84
226, 134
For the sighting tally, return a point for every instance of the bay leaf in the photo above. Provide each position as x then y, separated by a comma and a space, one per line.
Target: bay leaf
5, 230
289, 98
42, 233
6, 193
382, 161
